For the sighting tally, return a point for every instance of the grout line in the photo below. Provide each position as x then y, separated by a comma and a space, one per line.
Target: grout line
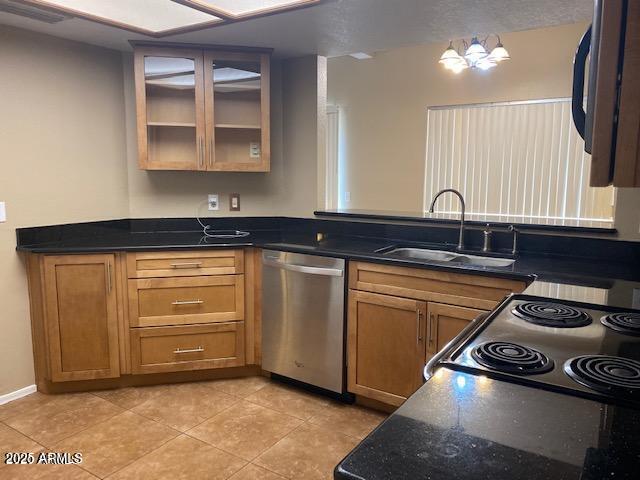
141, 457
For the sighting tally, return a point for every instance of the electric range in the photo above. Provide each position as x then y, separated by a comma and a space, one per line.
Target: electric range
571, 347
537, 389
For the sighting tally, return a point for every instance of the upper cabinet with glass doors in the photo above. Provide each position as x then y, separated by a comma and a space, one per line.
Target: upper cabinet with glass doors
204, 109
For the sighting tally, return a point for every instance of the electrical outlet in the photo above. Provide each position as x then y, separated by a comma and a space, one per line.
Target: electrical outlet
213, 202
234, 202
3, 212
347, 197
254, 150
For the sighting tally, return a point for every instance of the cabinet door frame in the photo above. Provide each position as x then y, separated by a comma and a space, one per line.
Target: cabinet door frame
417, 306
52, 325
141, 105
435, 310
209, 107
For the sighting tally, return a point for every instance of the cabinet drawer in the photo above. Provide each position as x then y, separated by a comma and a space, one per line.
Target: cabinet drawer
184, 264
196, 347
473, 291
180, 301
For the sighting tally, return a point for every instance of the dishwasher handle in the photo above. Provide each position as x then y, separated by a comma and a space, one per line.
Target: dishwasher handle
332, 272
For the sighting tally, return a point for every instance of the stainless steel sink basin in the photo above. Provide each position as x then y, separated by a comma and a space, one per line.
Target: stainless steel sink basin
483, 261
450, 257
422, 254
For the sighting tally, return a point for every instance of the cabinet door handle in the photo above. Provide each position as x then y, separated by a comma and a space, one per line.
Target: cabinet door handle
188, 350
109, 279
186, 265
418, 322
187, 302
211, 152
201, 150
430, 332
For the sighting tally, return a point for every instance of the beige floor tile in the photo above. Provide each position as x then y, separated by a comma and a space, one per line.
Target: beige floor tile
246, 429
111, 445
294, 402
185, 405
310, 452
34, 401
130, 397
350, 420
240, 387
13, 441
45, 472
254, 472
182, 458
61, 416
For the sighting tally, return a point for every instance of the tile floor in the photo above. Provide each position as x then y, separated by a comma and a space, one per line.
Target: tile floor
242, 429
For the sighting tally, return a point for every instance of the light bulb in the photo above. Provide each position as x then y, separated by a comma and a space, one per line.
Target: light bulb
485, 64
458, 67
499, 53
475, 52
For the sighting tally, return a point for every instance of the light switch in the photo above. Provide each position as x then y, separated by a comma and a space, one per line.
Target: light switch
234, 202
3, 212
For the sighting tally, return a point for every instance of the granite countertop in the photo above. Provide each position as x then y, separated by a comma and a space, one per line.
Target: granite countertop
552, 274
461, 426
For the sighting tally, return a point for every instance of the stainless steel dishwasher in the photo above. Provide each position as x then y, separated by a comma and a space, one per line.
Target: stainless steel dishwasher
303, 318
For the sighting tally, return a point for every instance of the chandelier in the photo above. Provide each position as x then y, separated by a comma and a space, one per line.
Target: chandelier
475, 55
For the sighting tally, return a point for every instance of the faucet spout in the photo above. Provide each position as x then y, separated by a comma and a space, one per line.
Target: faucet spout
462, 205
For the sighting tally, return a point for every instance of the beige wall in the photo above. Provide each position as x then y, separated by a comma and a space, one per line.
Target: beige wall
63, 160
383, 105
290, 187
68, 138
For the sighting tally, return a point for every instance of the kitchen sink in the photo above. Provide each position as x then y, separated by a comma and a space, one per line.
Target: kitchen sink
450, 257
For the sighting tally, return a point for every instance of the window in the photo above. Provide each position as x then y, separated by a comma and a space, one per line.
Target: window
516, 162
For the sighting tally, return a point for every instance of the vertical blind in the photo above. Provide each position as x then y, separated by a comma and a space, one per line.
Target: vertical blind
520, 162
333, 129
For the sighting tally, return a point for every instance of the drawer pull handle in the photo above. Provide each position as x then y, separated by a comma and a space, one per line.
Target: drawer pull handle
187, 302
187, 265
189, 350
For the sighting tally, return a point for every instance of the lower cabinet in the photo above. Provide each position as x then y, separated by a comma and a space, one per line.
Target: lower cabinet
386, 346
194, 347
81, 318
101, 316
400, 317
445, 323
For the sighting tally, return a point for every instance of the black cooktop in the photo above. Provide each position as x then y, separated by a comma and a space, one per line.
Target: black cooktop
557, 346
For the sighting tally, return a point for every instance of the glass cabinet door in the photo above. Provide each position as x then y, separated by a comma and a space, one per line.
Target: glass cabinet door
237, 111
170, 109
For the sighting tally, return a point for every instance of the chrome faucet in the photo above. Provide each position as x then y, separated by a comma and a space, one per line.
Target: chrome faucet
456, 192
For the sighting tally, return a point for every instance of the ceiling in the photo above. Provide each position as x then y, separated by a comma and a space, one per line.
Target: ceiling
340, 27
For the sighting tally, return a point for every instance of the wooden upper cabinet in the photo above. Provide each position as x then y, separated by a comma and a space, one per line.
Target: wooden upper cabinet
202, 109
237, 111
386, 346
627, 168
81, 317
170, 108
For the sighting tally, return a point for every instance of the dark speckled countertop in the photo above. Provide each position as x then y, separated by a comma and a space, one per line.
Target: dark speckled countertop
613, 283
459, 426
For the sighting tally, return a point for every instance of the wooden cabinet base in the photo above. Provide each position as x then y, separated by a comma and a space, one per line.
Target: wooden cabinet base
45, 386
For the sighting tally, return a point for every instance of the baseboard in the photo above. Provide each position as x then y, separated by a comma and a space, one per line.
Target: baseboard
11, 396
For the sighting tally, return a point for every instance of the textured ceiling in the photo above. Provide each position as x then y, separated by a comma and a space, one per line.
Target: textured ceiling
339, 27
